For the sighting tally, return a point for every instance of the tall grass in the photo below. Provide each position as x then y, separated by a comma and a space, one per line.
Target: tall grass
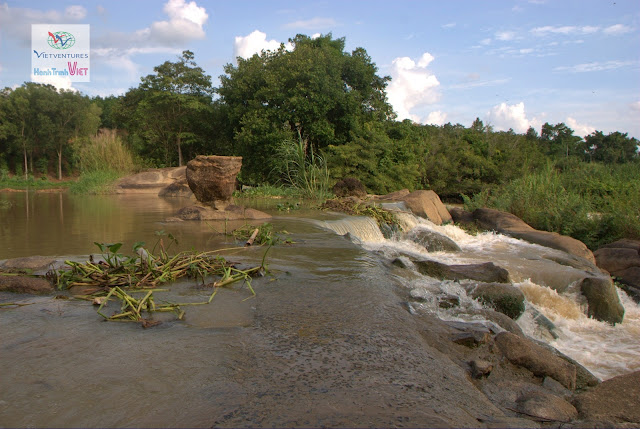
592, 202
102, 161
303, 169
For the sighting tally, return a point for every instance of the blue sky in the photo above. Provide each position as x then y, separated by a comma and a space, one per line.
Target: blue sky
513, 63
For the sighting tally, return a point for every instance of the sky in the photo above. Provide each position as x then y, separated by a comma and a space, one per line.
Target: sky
511, 63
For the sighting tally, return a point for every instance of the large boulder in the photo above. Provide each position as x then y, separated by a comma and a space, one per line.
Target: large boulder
629, 280
427, 204
28, 263
604, 303
540, 361
546, 406
231, 212
615, 400
150, 182
509, 224
615, 259
213, 178
505, 298
432, 241
486, 272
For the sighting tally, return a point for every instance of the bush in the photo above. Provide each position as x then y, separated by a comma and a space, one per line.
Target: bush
106, 152
95, 182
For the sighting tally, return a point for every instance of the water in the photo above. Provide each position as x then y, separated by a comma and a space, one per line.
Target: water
62, 366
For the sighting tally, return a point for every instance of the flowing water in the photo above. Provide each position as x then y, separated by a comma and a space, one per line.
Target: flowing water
62, 366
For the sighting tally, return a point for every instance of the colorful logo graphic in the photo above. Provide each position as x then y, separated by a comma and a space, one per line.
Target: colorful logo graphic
61, 40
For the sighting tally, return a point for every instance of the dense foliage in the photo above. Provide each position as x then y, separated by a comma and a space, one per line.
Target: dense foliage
310, 114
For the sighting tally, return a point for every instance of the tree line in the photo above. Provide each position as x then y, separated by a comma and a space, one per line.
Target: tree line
329, 101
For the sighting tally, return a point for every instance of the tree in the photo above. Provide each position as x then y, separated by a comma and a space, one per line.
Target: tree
317, 90
170, 102
558, 141
615, 147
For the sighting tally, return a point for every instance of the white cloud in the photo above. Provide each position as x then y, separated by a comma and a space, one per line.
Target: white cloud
635, 105
60, 82
412, 84
579, 129
316, 23
254, 43
505, 36
475, 83
436, 118
75, 13
449, 25
186, 21
616, 29
504, 116
485, 41
595, 66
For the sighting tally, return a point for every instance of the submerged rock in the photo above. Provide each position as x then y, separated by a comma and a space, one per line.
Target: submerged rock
232, 212
604, 303
486, 272
506, 299
433, 241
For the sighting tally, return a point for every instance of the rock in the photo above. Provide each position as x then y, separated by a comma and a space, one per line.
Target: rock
25, 284
616, 400
427, 204
615, 259
509, 422
472, 338
509, 224
506, 299
213, 178
232, 212
349, 187
487, 272
448, 301
499, 319
433, 241
461, 216
625, 243
604, 303
546, 406
179, 188
394, 196
33, 263
540, 361
554, 386
630, 282
480, 368
149, 182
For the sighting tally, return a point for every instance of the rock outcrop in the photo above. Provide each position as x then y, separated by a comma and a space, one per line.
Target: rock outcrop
509, 224
213, 178
231, 212
622, 260
486, 272
616, 400
427, 204
604, 303
153, 181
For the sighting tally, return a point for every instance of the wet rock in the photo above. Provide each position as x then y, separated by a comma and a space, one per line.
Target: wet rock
502, 320
461, 216
615, 259
616, 400
213, 178
480, 368
232, 212
472, 338
448, 301
427, 204
546, 406
433, 241
149, 182
402, 262
629, 280
486, 272
506, 299
349, 187
604, 303
540, 361
25, 284
33, 263
509, 224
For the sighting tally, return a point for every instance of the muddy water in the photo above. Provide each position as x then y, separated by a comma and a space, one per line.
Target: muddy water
326, 341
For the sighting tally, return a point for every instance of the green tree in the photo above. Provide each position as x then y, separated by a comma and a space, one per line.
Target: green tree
317, 90
615, 147
559, 142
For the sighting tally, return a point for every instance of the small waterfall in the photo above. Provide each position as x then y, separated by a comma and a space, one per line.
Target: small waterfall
364, 228
556, 311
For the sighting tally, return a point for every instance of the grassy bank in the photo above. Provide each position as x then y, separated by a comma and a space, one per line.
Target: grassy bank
594, 203
20, 183
95, 182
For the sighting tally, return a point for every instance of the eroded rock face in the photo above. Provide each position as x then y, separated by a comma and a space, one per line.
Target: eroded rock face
213, 178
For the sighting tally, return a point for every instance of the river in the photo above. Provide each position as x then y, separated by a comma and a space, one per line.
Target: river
327, 310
